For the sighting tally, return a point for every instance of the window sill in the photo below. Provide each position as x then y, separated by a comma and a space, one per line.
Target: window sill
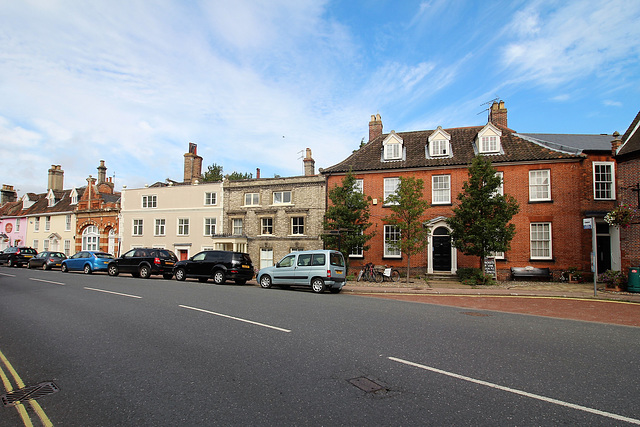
392, 257
442, 204
542, 260
533, 202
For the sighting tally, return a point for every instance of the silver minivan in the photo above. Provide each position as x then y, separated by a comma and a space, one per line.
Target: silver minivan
320, 269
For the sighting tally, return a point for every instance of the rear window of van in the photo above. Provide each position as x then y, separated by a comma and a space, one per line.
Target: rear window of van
336, 259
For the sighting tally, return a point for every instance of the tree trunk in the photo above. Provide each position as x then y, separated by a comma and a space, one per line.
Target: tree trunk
408, 266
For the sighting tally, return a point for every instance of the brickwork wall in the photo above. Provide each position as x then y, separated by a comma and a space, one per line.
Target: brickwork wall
571, 198
628, 178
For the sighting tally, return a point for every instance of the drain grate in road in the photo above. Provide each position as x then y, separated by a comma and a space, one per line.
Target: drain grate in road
475, 313
366, 385
29, 393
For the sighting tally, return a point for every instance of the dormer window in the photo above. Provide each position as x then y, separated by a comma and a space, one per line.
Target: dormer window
74, 197
488, 141
439, 147
439, 144
392, 147
51, 199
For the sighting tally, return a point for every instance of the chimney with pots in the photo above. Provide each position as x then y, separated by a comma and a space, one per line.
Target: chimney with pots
309, 164
615, 143
192, 164
56, 178
8, 194
498, 114
257, 173
375, 127
102, 173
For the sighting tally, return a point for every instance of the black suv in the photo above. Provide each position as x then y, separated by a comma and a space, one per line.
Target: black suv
143, 262
219, 265
16, 256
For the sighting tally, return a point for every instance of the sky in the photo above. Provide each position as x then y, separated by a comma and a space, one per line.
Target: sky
255, 83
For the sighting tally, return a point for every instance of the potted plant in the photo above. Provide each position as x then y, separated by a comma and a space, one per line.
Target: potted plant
613, 280
621, 216
571, 275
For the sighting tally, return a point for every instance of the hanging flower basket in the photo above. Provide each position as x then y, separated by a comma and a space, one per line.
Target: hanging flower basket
622, 216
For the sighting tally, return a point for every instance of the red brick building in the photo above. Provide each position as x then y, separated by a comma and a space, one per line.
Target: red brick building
628, 159
558, 180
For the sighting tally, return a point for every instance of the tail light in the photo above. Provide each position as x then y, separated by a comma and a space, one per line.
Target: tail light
156, 261
18, 251
329, 274
51, 259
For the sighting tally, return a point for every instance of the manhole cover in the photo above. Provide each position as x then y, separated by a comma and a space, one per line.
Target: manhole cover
29, 393
475, 313
366, 385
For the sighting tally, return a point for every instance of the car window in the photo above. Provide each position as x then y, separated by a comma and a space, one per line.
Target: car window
163, 253
304, 260
29, 251
129, 254
319, 259
103, 255
287, 261
337, 259
58, 255
200, 256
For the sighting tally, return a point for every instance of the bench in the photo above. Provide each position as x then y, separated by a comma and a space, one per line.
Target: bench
530, 273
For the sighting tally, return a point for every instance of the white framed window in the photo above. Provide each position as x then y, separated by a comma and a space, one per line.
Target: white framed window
74, 197
391, 237
137, 227
17, 224
390, 187
267, 225
237, 226
541, 240
358, 251
35, 244
604, 181
47, 223
500, 190
266, 257
281, 197
183, 226
297, 225
51, 199
441, 189
358, 186
539, 185
489, 144
393, 151
45, 245
252, 199
210, 198
439, 147
36, 224
150, 201
90, 238
160, 227
67, 223
209, 226
67, 247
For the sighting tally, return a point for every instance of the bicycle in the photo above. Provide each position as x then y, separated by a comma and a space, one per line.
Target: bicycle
368, 273
390, 274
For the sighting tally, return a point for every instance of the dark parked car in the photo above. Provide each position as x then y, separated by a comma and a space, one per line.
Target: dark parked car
87, 261
143, 262
17, 256
47, 260
219, 265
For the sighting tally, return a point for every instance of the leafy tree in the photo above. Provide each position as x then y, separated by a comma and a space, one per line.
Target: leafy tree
347, 217
480, 221
213, 173
235, 176
408, 206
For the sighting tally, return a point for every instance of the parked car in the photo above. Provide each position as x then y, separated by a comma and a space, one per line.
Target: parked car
143, 262
319, 269
17, 256
87, 261
219, 265
47, 260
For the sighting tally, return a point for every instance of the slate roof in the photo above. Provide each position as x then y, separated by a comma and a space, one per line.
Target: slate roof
631, 138
463, 143
571, 142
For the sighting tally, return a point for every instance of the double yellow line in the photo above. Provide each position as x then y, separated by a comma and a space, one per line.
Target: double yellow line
22, 411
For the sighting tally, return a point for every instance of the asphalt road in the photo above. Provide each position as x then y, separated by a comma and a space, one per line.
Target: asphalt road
126, 351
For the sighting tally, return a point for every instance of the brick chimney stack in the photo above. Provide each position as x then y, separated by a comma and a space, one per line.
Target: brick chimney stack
102, 173
257, 173
8, 194
375, 127
309, 164
56, 178
498, 114
192, 164
615, 143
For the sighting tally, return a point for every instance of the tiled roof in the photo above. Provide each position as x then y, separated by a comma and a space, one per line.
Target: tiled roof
463, 141
11, 208
41, 206
631, 138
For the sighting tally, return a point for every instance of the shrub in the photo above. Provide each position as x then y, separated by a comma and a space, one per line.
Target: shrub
474, 277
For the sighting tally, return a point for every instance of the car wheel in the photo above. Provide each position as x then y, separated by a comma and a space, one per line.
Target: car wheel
167, 276
10, 263
87, 269
335, 290
241, 282
202, 279
218, 277
45, 266
265, 281
145, 272
317, 285
181, 274
64, 268
28, 265
113, 270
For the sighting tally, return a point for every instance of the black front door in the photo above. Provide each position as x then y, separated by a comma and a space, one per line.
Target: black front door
604, 253
441, 250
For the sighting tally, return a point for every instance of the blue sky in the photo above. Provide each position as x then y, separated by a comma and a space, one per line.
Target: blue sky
254, 83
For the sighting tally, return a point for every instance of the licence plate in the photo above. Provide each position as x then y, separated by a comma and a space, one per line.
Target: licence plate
245, 266
338, 271
169, 262
57, 265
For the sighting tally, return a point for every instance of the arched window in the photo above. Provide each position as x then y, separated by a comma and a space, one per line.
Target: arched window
90, 238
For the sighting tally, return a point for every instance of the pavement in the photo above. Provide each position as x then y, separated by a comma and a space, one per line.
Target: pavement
549, 299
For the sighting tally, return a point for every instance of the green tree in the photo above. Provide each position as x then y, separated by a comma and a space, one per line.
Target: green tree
408, 207
235, 176
213, 173
347, 218
480, 222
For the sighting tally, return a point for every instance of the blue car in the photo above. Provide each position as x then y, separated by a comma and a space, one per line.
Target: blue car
87, 261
